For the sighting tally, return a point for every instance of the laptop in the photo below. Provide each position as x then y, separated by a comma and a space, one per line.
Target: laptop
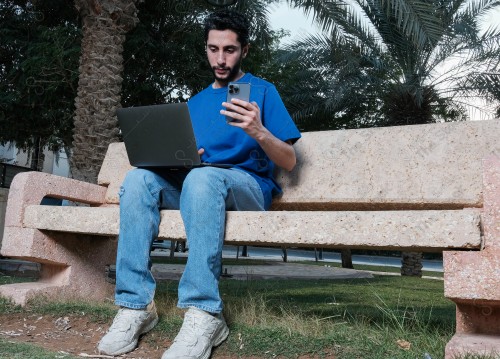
160, 136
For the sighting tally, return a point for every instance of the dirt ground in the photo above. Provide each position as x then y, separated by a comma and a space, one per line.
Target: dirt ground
71, 334
78, 336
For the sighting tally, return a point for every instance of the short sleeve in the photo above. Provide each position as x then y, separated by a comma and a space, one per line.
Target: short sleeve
276, 117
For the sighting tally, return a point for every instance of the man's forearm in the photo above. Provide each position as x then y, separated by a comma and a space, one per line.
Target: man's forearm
281, 153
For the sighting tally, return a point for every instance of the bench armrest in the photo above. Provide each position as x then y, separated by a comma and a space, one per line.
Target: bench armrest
30, 188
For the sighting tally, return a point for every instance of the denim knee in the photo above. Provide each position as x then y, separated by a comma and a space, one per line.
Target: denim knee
138, 182
203, 182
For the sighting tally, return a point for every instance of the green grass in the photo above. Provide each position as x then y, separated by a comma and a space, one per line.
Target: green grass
356, 318
13, 350
360, 318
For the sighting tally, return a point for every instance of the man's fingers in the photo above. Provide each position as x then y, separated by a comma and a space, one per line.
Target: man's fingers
234, 115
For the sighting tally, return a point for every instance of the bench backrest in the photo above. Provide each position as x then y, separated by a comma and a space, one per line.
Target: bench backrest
433, 166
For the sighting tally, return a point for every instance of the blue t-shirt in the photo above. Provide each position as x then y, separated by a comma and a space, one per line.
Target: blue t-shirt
226, 144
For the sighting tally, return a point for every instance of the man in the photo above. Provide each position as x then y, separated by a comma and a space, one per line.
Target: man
260, 136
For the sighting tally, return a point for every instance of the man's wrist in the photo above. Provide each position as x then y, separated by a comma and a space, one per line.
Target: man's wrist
263, 136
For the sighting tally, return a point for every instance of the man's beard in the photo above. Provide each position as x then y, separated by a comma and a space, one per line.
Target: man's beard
233, 73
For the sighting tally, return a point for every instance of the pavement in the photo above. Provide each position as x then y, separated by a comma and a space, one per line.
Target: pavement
19, 268
272, 268
267, 271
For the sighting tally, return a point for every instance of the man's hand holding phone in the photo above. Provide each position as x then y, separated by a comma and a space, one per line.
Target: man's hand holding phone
240, 112
245, 115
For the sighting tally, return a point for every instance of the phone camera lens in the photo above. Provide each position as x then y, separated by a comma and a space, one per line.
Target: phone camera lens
233, 89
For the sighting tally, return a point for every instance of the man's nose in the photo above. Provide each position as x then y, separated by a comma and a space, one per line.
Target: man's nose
221, 58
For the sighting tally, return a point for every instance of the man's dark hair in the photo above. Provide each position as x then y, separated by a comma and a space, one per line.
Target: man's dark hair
227, 19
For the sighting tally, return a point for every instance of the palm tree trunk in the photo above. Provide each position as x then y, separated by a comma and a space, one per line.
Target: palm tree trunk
411, 264
346, 256
105, 23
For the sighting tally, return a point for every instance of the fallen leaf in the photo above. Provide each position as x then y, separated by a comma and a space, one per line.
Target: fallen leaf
403, 344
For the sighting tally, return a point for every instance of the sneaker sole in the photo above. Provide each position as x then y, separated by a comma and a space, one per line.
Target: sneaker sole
222, 336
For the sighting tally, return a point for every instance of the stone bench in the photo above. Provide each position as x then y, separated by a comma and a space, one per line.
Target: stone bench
411, 188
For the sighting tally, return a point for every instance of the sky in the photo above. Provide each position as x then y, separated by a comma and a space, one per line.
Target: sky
284, 17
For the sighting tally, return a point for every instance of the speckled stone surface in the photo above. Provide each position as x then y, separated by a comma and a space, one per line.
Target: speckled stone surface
475, 275
416, 230
113, 171
491, 210
72, 266
472, 279
422, 166
477, 344
30, 187
426, 166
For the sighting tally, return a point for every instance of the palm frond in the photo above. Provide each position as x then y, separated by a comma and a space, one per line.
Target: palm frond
475, 8
414, 19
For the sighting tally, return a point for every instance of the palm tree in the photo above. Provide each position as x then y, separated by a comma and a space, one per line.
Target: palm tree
157, 64
105, 23
380, 63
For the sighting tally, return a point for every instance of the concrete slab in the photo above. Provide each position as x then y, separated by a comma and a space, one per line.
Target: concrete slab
272, 271
430, 166
26, 190
420, 166
491, 213
416, 230
471, 275
474, 344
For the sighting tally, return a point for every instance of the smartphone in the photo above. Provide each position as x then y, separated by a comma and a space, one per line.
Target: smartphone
239, 90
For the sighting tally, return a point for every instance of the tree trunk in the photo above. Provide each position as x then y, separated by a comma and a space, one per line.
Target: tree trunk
37, 155
411, 264
346, 257
284, 254
105, 23
244, 251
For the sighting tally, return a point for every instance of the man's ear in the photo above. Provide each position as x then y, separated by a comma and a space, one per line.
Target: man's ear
244, 51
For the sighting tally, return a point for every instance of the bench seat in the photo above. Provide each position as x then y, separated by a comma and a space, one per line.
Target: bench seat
428, 230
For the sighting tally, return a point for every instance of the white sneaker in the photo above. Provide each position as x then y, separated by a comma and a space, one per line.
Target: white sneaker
199, 333
128, 325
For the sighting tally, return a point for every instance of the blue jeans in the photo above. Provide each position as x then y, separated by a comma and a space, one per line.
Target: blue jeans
203, 195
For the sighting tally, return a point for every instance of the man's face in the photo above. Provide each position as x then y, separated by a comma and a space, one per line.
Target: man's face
225, 54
